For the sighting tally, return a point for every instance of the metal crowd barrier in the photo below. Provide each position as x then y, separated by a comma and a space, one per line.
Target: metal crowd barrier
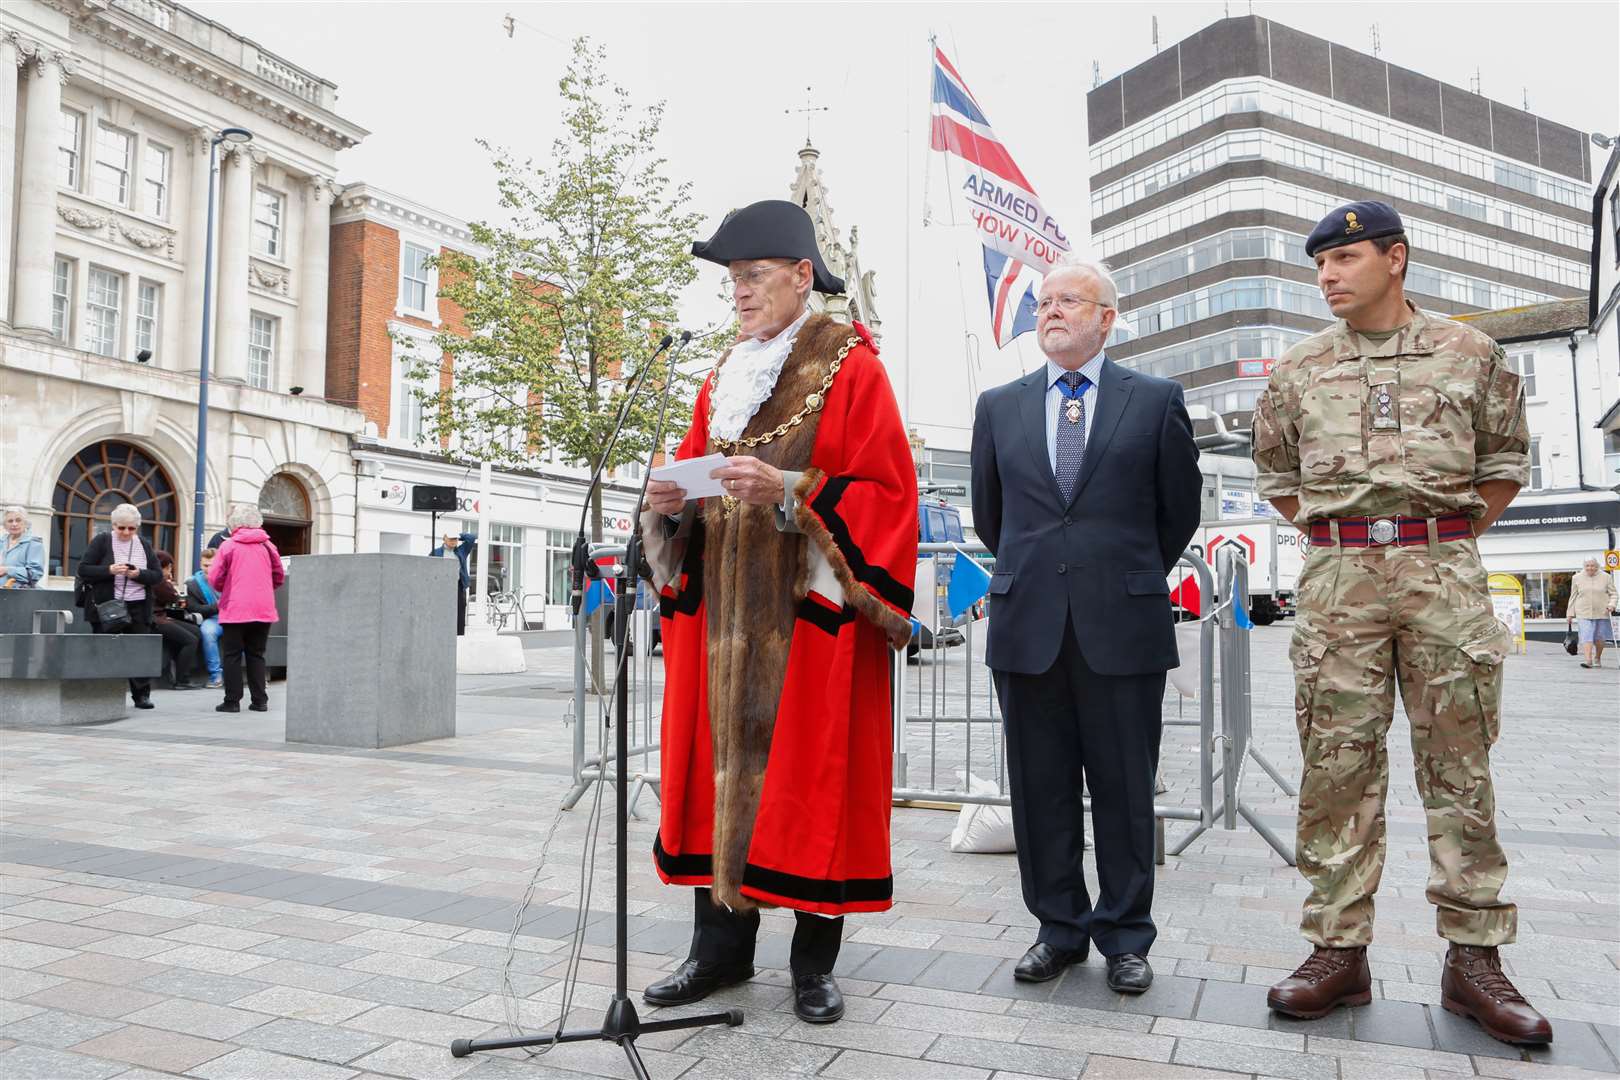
938, 693
1221, 754
589, 767
1237, 715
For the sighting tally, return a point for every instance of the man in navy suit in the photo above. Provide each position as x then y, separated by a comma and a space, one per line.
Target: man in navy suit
1086, 488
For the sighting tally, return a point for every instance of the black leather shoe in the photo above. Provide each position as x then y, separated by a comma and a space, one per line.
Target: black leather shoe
694, 981
817, 999
1128, 973
144, 703
1043, 962
263, 706
227, 706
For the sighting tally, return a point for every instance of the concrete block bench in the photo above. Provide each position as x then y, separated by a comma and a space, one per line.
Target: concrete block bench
52, 679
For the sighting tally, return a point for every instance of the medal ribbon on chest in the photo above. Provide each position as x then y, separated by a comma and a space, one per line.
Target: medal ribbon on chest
1073, 410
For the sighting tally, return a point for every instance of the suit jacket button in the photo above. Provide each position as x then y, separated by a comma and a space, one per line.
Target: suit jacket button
1067, 520
1063, 568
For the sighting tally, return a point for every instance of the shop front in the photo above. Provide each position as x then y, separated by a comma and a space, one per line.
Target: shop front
1542, 540
534, 518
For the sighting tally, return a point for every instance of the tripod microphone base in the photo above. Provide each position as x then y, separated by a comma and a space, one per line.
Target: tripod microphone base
621, 1025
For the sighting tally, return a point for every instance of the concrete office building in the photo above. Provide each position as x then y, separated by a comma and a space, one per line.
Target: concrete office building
1211, 162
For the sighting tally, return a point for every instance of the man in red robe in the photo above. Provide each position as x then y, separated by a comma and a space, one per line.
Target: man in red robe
781, 601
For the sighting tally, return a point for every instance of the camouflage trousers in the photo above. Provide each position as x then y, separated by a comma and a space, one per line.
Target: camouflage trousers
1367, 618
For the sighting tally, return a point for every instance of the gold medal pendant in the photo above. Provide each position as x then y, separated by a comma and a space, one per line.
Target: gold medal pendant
1074, 412
728, 503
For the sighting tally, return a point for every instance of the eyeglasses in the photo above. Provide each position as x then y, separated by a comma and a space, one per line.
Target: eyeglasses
1068, 302
752, 278
126, 528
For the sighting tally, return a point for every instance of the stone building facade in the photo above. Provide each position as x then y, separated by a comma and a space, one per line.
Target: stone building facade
111, 111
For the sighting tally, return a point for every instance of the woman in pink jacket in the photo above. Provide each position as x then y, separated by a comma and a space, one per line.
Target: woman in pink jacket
246, 574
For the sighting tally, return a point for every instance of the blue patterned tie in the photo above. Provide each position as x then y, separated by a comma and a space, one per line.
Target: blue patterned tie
1071, 434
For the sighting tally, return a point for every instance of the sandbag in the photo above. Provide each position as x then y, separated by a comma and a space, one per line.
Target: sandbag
982, 829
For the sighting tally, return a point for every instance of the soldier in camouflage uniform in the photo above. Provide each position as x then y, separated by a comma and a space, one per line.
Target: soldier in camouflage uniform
1394, 438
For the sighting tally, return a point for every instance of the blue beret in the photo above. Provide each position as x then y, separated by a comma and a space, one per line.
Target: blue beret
1351, 224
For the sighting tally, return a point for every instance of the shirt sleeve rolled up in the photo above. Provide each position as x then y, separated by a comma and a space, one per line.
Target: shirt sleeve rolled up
1276, 448
1501, 429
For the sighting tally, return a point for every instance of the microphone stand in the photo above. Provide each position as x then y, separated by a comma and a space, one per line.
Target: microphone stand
621, 1024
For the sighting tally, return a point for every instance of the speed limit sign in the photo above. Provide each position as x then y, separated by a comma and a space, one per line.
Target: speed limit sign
1611, 560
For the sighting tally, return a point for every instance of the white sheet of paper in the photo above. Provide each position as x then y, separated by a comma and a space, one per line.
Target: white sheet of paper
693, 475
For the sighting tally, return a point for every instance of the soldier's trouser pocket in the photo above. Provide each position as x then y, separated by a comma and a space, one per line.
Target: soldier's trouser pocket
1305, 652
1485, 654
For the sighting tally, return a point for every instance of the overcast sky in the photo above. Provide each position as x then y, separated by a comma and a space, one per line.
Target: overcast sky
428, 78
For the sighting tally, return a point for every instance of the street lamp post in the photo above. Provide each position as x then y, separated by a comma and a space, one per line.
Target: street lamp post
237, 136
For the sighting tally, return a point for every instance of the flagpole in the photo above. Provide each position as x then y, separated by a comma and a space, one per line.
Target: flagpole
905, 394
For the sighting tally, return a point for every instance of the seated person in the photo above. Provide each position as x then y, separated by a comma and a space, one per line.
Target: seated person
202, 603
181, 639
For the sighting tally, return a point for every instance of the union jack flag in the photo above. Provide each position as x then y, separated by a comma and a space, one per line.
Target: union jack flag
1021, 241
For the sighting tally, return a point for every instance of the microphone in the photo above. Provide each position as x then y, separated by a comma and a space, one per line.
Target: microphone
636, 556
579, 563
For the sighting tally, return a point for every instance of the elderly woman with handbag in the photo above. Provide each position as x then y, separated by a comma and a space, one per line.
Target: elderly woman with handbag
116, 575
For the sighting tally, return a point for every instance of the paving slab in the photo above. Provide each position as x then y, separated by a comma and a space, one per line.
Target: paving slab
270, 910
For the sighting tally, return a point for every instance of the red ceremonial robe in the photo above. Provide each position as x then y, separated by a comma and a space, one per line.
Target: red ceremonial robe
777, 734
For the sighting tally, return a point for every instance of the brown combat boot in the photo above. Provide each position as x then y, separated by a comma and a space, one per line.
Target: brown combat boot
1473, 985
1330, 978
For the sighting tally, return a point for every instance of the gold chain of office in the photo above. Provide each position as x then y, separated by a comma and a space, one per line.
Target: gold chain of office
812, 403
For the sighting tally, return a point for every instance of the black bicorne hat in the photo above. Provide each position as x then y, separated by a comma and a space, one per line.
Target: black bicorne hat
771, 229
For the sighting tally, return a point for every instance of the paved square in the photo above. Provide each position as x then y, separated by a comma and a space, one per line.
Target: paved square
185, 893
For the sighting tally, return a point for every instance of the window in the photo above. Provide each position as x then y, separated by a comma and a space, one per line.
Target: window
1611, 458
98, 478
146, 315
68, 151
1535, 462
1265, 193
1525, 364
261, 351
1546, 594
267, 208
559, 556
1231, 295
410, 424
155, 180
504, 544
105, 303
1262, 95
61, 299
114, 150
414, 287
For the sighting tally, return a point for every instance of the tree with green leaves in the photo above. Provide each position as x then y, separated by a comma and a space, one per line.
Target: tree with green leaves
578, 284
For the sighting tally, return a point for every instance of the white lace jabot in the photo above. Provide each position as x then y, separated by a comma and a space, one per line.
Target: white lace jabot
747, 378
